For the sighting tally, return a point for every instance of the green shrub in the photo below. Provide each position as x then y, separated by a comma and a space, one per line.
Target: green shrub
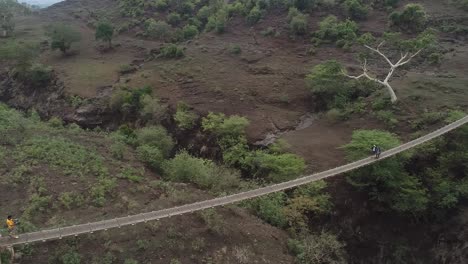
118, 150
342, 33
356, 9
213, 220
71, 200
269, 31
184, 117
223, 126
292, 12
190, 31
427, 119
388, 117
186, 7
454, 115
270, 208
172, 51
151, 109
71, 257
235, 49
100, 190
38, 74
185, 168
131, 261
71, 158
132, 174
150, 155
304, 4
156, 136
298, 24
158, 29
391, 3
56, 122
254, 15
413, 18
336, 115
204, 13
279, 167
161, 5
174, 19
217, 22
236, 8
143, 244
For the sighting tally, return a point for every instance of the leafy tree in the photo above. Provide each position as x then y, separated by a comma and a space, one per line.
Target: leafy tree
330, 87
105, 32
413, 18
62, 37
386, 181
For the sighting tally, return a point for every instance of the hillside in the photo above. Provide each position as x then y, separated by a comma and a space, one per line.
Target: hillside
195, 99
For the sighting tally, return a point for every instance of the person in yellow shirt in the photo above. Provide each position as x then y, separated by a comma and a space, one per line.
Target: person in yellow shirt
11, 225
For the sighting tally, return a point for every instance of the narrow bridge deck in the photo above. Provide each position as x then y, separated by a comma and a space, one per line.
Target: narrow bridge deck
59, 233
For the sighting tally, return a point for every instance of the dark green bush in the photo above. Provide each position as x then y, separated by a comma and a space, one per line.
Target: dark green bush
334, 90
155, 136
332, 31
412, 19
356, 9
190, 31
184, 117
298, 24
158, 29
254, 15
150, 155
174, 18
217, 22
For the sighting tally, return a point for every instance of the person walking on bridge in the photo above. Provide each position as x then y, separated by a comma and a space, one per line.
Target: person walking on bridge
377, 152
11, 226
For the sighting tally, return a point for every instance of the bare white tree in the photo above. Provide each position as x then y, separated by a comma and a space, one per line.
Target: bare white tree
404, 59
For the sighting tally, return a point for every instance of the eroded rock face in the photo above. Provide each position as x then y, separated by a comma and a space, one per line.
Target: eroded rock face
50, 100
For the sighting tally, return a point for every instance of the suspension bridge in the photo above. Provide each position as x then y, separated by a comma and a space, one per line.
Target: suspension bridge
75, 230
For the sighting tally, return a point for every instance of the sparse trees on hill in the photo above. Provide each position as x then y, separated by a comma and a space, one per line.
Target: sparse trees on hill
105, 32
62, 37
